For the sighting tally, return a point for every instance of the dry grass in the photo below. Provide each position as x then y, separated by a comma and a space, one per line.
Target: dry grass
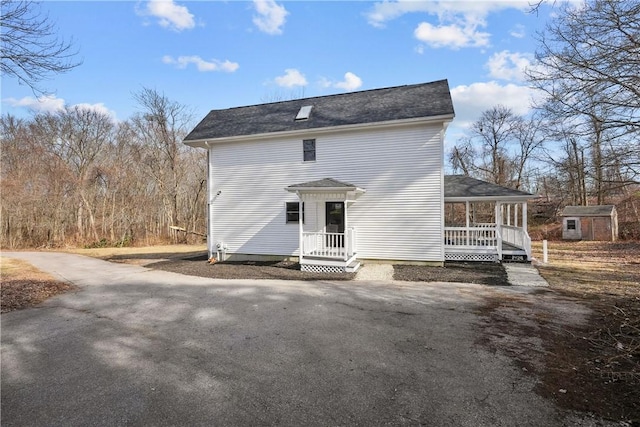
592, 268
107, 253
22, 285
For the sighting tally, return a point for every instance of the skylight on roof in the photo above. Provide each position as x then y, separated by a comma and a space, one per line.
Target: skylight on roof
304, 112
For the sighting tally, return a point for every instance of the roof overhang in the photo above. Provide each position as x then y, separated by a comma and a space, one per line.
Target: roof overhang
511, 199
208, 142
326, 189
355, 190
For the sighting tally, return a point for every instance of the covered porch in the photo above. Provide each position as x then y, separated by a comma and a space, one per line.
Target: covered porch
484, 221
327, 243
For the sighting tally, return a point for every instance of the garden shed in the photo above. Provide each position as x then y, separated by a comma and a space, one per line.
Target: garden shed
590, 223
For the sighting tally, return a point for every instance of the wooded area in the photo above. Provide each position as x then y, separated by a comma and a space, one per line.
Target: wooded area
76, 177
581, 146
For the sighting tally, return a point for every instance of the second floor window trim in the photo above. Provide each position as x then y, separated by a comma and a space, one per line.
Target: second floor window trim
309, 150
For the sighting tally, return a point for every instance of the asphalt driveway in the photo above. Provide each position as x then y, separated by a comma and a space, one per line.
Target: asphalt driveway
134, 346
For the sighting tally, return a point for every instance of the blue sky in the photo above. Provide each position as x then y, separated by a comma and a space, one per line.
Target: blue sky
220, 54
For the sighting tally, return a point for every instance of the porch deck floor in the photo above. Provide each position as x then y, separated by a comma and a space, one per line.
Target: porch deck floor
510, 247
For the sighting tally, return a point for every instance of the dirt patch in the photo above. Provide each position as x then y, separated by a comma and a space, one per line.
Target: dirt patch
585, 357
24, 286
281, 270
581, 336
462, 272
479, 273
599, 361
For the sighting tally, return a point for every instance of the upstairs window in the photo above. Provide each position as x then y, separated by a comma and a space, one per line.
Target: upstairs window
309, 150
293, 212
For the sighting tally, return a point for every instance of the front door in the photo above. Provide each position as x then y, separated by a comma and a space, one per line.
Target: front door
335, 224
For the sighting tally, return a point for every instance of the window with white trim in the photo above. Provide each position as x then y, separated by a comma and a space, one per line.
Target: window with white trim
309, 150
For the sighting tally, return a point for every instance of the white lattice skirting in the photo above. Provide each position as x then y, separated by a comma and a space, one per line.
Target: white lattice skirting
471, 257
321, 268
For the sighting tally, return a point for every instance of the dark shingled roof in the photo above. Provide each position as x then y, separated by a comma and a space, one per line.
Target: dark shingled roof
324, 183
601, 210
370, 106
467, 187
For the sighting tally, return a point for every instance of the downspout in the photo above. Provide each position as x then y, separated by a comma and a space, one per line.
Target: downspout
300, 228
209, 222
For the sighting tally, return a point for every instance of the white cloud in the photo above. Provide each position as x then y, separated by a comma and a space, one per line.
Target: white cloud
470, 11
518, 31
169, 14
201, 65
470, 101
509, 66
98, 108
350, 83
291, 78
52, 104
270, 16
453, 36
458, 25
43, 104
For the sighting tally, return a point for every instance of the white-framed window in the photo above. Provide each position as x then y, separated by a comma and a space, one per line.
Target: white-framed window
309, 150
293, 212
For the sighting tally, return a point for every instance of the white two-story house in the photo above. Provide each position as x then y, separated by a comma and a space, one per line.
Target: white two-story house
335, 180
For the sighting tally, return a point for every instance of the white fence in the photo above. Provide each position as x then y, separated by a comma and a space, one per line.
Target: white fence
329, 245
480, 235
487, 236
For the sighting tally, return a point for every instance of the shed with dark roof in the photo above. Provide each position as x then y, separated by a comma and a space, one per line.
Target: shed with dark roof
590, 223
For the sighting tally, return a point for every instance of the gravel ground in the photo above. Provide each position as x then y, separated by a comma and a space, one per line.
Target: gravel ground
478, 273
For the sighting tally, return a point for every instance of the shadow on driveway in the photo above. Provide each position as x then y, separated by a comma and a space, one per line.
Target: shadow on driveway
144, 347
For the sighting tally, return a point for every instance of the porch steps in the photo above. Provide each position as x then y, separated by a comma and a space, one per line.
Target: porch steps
353, 267
328, 265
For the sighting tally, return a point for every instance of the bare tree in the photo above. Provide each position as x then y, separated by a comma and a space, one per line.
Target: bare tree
78, 136
587, 65
498, 147
31, 49
160, 129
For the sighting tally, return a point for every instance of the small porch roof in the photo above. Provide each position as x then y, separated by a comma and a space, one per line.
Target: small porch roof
325, 185
460, 188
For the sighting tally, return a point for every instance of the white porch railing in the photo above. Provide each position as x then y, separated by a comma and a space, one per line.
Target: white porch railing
517, 237
480, 235
329, 245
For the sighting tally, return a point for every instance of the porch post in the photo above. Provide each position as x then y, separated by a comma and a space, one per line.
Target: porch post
524, 216
346, 231
300, 230
466, 216
499, 229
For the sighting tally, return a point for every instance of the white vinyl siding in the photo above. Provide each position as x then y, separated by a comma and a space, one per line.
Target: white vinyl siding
398, 218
